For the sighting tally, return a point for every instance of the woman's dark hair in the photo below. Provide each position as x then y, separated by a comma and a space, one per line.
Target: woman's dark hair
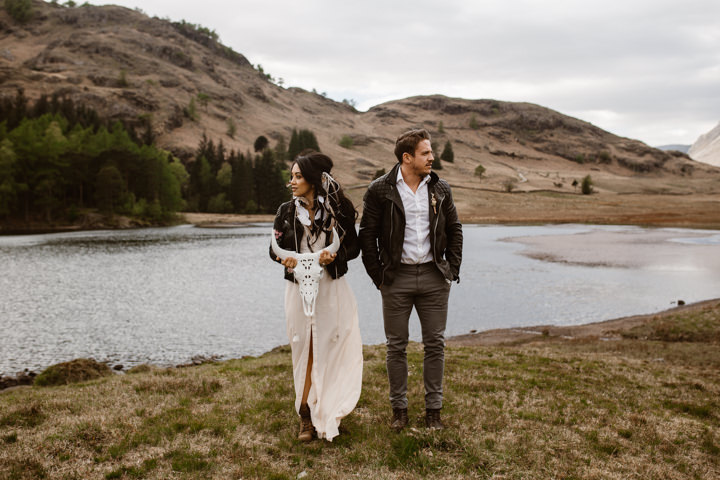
312, 165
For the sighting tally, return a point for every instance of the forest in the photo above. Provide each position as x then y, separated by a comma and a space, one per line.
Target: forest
60, 159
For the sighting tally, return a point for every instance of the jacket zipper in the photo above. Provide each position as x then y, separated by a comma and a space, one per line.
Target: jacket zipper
382, 277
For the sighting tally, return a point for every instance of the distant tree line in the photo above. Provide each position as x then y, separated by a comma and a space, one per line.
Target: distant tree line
57, 157
233, 182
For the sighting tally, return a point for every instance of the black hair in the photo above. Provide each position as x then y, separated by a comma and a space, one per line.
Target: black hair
312, 165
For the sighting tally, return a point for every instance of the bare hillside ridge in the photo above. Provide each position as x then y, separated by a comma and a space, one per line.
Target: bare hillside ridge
127, 65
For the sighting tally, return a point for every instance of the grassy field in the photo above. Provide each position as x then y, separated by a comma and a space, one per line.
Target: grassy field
644, 407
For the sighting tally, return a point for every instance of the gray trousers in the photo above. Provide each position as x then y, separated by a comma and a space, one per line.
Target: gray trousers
425, 288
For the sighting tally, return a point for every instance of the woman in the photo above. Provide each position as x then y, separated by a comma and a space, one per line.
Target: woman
326, 346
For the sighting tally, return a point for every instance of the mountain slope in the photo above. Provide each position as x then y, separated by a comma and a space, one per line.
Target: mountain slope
128, 66
706, 148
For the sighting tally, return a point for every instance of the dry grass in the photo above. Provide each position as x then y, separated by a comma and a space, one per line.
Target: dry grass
585, 409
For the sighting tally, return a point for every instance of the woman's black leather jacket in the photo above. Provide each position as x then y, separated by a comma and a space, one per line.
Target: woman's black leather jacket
289, 233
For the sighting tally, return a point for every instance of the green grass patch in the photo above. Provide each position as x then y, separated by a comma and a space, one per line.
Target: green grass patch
700, 411
24, 416
134, 472
187, 461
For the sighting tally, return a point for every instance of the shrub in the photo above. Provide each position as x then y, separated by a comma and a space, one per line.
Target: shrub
261, 143
587, 185
122, 79
191, 110
20, 10
251, 207
138, 208
509, 185
204, 100
220, 204
79, 370
437, 165
154, 211
479, 171
379, 173
231, 128
474, 123
346, 141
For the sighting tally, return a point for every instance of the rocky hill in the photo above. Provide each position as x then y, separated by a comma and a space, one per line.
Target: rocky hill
129, 66
706, 149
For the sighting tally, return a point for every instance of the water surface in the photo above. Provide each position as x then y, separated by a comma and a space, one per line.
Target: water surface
165, 295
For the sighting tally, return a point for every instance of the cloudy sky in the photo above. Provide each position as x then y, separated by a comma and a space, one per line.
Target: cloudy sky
644, 69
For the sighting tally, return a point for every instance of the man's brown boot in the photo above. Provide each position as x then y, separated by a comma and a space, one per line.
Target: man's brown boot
307, 431
432, 419
400, 419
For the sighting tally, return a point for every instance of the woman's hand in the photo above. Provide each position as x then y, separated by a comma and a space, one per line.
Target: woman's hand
290, 263
326, 257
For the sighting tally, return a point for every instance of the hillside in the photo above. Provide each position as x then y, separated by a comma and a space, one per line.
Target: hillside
706, 149
129, 66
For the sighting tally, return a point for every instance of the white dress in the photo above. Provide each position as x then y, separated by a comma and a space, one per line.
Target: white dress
336, 374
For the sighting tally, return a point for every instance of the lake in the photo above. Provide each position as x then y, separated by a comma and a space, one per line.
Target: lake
165, 295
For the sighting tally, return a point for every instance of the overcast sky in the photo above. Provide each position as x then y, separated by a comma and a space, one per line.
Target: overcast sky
644, 69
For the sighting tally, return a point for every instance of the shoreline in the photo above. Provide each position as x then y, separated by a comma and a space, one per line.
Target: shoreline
605, 330
540, 207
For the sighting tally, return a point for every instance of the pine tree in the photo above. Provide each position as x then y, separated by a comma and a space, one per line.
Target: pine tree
8, 185
270, 190
108, 188
447, 154
281, 149
294, 148
308, 140
242, 186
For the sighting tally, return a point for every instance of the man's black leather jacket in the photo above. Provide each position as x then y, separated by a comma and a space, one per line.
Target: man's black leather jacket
382, 228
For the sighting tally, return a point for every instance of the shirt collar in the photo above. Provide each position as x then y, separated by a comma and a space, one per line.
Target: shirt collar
400, 178
302, 213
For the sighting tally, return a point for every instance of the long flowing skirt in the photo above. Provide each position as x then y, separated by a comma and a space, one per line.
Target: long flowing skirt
336, 374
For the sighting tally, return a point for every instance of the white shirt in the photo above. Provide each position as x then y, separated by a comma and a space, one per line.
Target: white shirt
416, 247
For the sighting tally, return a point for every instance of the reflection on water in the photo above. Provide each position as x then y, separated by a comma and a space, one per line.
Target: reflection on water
165, 295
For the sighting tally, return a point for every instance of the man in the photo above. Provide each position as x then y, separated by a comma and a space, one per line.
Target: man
411, 243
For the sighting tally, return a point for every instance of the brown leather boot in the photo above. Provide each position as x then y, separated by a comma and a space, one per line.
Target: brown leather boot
307, 430
432, 419
400, 419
